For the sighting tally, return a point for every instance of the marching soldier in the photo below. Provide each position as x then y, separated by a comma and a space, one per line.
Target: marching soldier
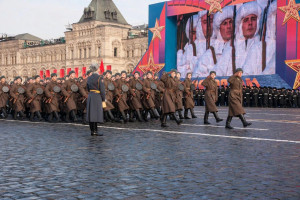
17, 93
35, 92
53, 95
69, 90
169, 98
236, 99
179, 95
95, 101
189, 103
211, 97
4, 96
109, 95
136, 87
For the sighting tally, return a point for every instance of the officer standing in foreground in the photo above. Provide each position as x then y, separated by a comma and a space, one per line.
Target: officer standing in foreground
96, 97
235, 99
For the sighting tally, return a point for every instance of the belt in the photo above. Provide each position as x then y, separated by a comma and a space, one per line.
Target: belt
95, 91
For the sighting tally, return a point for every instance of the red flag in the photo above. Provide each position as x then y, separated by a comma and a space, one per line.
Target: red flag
62, 73
101, 67
55, 71
108, 67
68, 70
76, 72
47, 73
42, 74
84, 72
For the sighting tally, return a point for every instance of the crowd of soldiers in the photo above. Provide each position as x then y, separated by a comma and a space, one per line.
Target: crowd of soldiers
267, 97
128, 97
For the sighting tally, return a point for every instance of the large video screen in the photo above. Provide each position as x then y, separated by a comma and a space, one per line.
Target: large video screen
241, 36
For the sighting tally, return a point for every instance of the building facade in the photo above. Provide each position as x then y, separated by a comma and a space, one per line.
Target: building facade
101, 34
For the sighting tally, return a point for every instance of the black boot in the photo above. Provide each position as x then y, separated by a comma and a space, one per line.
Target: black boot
73, 114
106, 116
56, 116
206, 117
228, 121
67, 117
217, 117
139, 116
31, 116
131, 116
21, 115
145, 117
193, 114
178, 121
92, 128
96, 130
124, 117
245, 123
38, 114
4, 113
15, 115
180, 114
155, 113
164, 121
186, 111
50, 117
111, 116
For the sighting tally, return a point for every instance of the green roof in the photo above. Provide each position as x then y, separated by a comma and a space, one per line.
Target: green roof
102, 10
27, 36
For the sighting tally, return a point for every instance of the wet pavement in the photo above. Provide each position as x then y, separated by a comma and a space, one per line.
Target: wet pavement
144, 161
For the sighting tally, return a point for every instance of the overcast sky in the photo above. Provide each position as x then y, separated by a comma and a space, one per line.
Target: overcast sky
47, 18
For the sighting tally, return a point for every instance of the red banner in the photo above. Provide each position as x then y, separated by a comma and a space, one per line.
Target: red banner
47, 73
68, 70
62, 73
42, 74
76, 72
101, 67
108, 67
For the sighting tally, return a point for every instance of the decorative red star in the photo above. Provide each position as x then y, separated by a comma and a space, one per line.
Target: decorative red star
295, 65
156, 30
291, 11
215, 6
151, 66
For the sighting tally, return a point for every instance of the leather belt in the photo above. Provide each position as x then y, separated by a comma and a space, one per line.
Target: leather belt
95, 91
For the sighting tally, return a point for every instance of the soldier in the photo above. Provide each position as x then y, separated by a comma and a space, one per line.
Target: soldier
121, 93
265, 97
189, 103
211, 95
169, 97
35, 94
53, 94
136, 87
222, 98
159, 93
295, 103
275, 97
270, 102
298, 97
70, 89
260, 97
17, 93
179, 95
4, 96
149, 89
236, 99
96, 97
109, 95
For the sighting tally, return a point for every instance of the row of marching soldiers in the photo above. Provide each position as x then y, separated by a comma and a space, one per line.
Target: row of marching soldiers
128, 97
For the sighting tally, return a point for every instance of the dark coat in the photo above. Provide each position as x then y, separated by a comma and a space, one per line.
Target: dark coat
235, 96
211, 94
94, 101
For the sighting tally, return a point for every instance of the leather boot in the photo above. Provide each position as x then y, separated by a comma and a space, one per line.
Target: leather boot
217, 117
73, 114
31, 116
111, 116
178, 121
84, 118
50, 117
164, 121
186, 111
193, 114
106, 116
180, 114
145, 117
155, 113
131, 116
15, 115
67, 117
38, 114
245, 123
92, 128
4, 113
206, 117
21, 115
96, 129
124, 117
139, 116
228, 121
56, 116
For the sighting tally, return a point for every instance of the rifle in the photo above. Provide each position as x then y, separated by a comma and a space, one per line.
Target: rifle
232, 41
263, 33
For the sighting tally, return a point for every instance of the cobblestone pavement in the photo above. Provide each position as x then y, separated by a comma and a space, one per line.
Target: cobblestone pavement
144, 161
